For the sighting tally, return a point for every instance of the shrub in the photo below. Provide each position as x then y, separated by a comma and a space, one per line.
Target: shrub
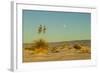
77, 46
54, 50
40, 44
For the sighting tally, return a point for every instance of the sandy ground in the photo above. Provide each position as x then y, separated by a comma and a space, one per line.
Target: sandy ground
29, 56
56, 57
68, 52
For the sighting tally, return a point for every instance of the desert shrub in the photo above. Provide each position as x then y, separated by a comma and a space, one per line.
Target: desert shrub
40, 44
54, 50
77, 46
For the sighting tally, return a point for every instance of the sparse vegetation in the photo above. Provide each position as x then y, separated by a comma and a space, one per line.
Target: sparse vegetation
54, 50
40, 44
41, 50
77, 46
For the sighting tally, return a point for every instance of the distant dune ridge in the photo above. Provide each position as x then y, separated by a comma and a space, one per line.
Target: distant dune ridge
56, 51
83, 42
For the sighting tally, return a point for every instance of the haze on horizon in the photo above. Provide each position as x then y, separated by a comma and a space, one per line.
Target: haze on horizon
61, 26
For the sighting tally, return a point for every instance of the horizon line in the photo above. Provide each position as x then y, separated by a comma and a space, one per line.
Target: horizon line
65, 41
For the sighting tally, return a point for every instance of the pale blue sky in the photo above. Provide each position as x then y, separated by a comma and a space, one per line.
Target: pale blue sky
61, 26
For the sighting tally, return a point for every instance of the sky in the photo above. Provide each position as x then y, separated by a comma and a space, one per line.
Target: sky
60, 26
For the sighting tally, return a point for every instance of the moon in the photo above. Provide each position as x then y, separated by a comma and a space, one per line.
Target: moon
64, 26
